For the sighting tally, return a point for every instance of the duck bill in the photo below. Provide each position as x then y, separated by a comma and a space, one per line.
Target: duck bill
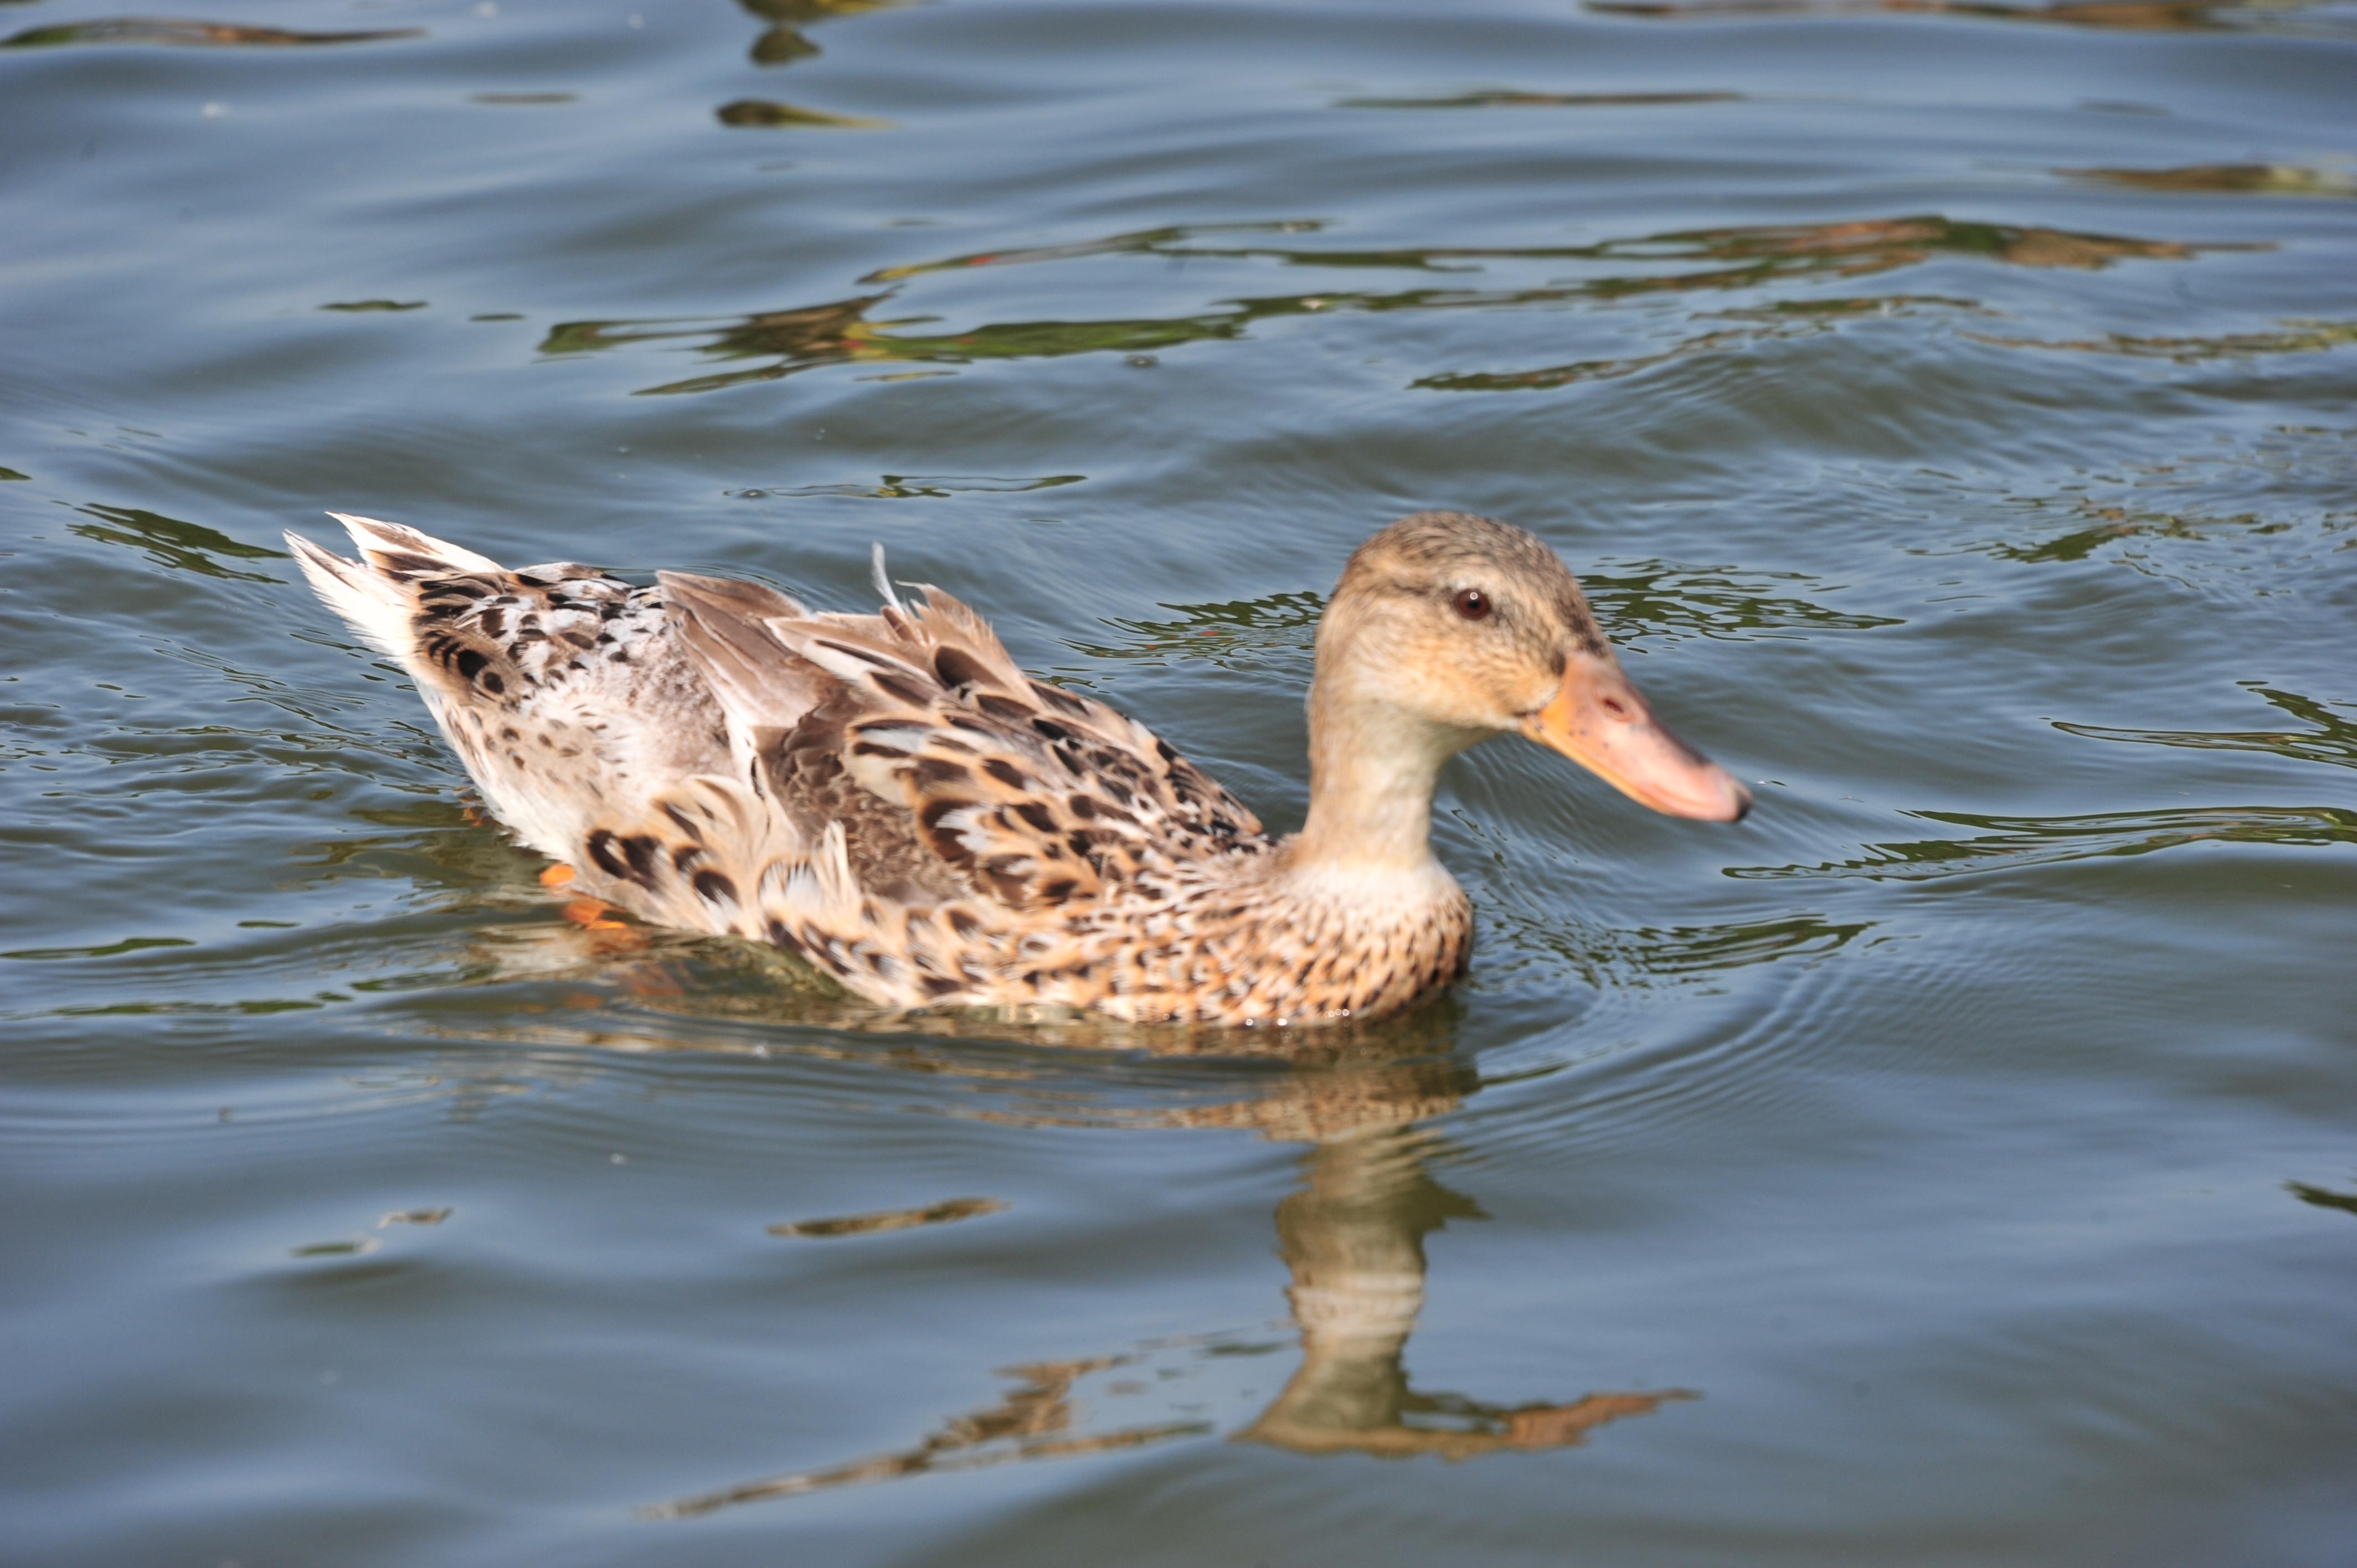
1598, 720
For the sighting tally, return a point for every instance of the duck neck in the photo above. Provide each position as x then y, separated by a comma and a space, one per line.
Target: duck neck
1372, 769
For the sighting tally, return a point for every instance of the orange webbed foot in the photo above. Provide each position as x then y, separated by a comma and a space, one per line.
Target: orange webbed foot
592, 915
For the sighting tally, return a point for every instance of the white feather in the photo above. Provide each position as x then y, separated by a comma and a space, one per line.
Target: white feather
884, 583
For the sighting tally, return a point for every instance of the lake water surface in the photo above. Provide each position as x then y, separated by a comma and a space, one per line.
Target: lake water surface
1952, 409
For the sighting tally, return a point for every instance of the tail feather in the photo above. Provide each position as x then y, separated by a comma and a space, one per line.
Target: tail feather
405, 553
374, 607
376, 594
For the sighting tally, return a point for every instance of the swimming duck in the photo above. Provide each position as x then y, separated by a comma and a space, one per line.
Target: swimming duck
891, 798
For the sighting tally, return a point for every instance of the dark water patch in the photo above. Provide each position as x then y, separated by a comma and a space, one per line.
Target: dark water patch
2130, 15
1284, 624
361, 306
2295, 338
845, 331
784, 42
1887, 305
250, 1008
2332, 740
929, 487
2323, 1196
1653, 600
2254, 180
942, 1213
1783, 321
1546, 378
1851, 249
1034, 1422
2186, 523
172, 544
357, 1247
181, 31
109, 950
1172, 241
772, 114
2109, 525
1605, 957
1637, 602
2011, 843
840, 333
1507, 98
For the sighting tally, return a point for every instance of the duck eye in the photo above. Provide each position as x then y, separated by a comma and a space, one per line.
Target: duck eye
1472, 604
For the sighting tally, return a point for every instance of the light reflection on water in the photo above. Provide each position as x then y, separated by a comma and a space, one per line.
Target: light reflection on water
843, 332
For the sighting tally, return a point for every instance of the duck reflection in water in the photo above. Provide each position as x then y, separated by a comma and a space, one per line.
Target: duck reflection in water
1352, 1237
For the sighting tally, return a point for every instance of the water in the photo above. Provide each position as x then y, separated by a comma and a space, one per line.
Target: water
1950, 408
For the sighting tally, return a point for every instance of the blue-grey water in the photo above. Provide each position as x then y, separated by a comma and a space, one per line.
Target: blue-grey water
1952, 408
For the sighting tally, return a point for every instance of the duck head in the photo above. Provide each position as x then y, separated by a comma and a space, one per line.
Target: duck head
1446, 630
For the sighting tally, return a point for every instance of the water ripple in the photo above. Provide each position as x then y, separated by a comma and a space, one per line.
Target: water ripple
2010, 843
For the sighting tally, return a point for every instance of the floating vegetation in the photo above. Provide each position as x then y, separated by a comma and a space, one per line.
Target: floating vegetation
367, 304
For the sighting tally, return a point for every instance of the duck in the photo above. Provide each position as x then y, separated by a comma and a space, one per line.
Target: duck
891, 798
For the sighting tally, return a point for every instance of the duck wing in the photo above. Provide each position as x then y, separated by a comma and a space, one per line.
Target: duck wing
980, 781
887, 794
